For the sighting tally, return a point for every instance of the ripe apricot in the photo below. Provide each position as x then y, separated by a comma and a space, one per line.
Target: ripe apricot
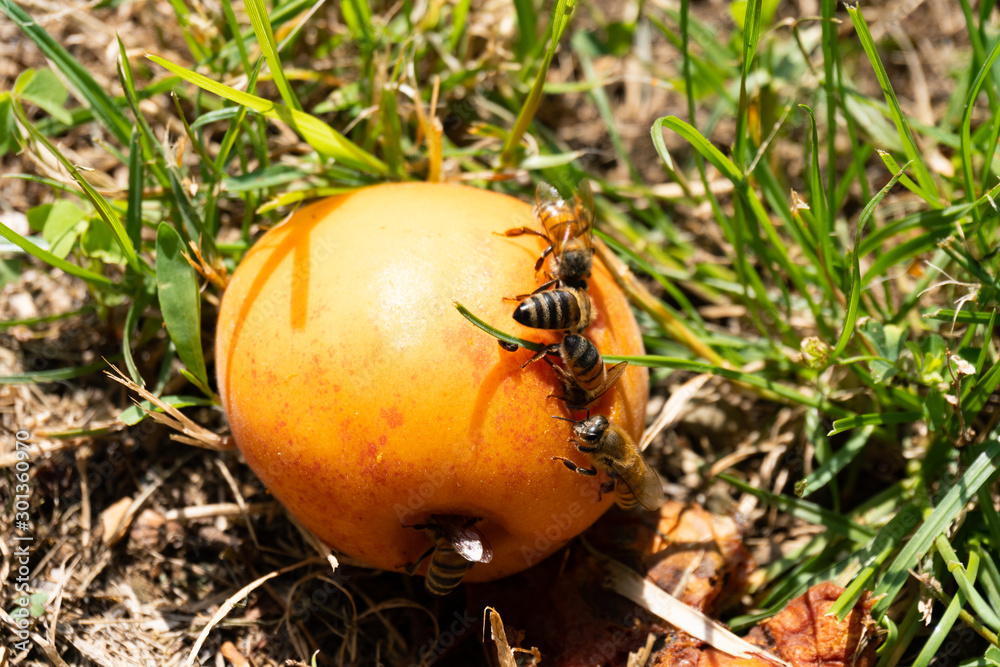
366, 403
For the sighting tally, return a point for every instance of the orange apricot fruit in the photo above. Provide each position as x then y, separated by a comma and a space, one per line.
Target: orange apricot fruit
366, 403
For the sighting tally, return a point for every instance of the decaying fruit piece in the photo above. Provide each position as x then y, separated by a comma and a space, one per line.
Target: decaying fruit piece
366, 403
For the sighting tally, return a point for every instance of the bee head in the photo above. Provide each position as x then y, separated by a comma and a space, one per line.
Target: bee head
591, 430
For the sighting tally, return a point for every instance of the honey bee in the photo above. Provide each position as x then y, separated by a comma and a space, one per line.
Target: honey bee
612, 450
565, 309
584, 376
458, 545
568, 230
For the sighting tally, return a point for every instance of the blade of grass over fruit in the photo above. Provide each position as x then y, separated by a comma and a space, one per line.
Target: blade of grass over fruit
27, 246
92, 93
327, 141
265, 38
807, 511
875, 419
944, 515
101, 205
55, 375
966, 127
496, 333
902, 127
854, 298
751, 35
561, 16
180, 300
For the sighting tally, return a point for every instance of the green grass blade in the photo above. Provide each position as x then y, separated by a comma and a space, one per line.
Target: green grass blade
358, 17
55, 375
807, 511
88, 90
873, 556
854, 299
101, 205
180, 301
948, 510
875, 419
817, 196
27, 246
265, 38
392, 131
561, 17
496, 333
234, 28
966, 129
136, 413
902, 127
527, 28
751, 35
827, 472
135, 311
327, 141
136, 170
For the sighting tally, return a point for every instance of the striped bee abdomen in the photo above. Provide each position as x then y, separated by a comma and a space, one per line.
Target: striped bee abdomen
584, 361
558, 309
447, 568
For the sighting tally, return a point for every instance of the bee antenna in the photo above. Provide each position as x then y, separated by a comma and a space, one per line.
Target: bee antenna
566, 420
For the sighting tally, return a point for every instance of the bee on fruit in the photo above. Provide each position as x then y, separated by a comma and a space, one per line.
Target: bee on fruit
568, 230
458, 545
611, 449
565, 309
584, 376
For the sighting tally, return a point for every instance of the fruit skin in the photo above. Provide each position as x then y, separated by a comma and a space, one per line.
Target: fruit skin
366, 402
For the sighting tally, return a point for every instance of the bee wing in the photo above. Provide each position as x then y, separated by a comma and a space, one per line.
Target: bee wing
584, 198
545, 194
644, 484
471, 544
610, 378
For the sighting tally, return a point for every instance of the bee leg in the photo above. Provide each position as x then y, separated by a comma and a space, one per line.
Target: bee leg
551, 349
589, 472
544, 286
412, 567
545, 253
519, 297
520, 231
